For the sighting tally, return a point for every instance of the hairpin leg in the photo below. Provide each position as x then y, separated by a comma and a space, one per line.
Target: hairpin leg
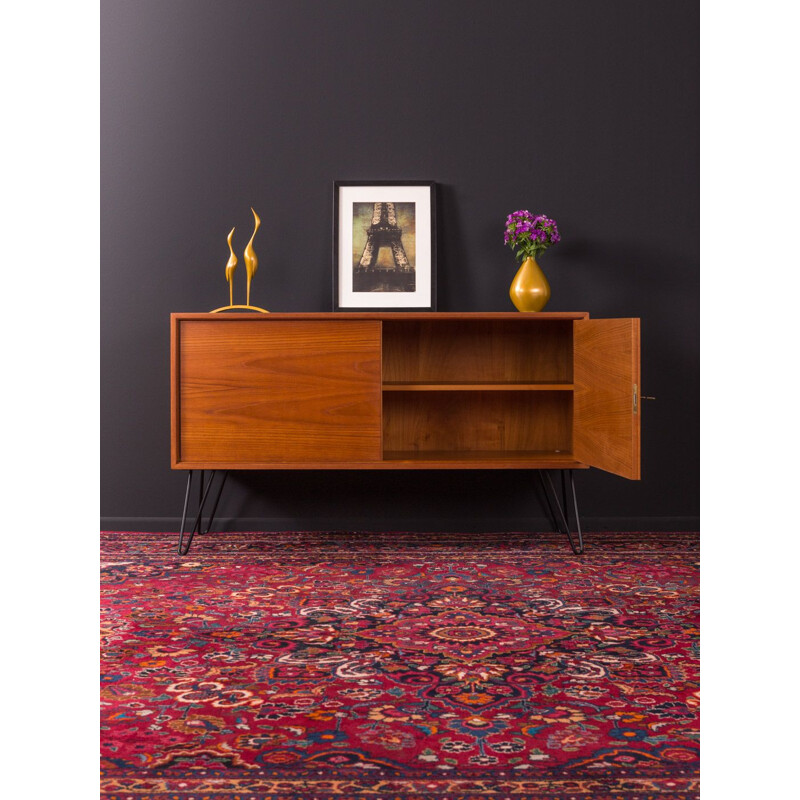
553, 516
216, 503
205, 488
185, 509
560, 512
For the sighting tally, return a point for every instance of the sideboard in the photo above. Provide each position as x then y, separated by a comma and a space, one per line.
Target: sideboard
404, 390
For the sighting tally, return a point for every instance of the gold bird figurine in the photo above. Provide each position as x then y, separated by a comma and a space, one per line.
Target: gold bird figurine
250, 257
230, 267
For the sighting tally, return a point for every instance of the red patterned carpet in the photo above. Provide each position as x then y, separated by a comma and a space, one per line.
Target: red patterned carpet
344, 665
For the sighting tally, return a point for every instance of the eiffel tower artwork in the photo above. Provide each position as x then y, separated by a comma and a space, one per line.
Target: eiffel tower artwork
384, 265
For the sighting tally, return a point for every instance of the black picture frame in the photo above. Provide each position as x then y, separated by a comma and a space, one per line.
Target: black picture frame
354, 284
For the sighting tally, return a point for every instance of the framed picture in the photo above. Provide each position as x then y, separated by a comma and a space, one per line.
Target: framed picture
384, 246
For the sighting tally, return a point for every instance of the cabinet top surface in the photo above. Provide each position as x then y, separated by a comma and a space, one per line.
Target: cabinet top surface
387, 315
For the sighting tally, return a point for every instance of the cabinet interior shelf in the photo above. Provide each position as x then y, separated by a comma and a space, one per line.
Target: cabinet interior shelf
545, 459
461, 386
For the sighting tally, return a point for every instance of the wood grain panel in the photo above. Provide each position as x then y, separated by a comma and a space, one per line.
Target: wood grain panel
473, 422
606, 362
269, 391
478, 350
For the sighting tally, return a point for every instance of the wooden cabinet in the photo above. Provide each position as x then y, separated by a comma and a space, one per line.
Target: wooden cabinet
405, 391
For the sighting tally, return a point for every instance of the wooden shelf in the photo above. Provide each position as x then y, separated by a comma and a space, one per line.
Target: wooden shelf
477, 422
482, 386
482, 459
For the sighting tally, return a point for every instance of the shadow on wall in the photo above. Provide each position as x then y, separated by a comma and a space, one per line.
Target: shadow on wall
451, 293
368, 499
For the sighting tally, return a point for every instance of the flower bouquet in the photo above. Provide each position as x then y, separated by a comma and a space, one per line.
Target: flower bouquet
530, 235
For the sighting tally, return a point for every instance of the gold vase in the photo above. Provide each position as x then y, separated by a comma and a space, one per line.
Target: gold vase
530, 290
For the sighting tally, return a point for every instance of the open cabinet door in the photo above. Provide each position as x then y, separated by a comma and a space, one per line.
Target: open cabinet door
606, 376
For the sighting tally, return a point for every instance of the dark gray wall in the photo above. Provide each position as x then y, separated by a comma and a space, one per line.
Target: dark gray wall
585, 111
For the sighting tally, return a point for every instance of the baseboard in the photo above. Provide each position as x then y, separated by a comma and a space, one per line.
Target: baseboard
169, 524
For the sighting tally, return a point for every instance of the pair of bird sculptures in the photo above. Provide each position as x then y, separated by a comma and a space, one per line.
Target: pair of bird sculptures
250, 265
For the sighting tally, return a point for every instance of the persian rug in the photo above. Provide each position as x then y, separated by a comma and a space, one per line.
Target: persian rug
284, 666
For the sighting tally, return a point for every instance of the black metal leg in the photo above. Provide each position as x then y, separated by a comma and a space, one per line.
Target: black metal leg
205, 488
562, 520
216, 503
553, 517
199, 518
185, 509
577, 515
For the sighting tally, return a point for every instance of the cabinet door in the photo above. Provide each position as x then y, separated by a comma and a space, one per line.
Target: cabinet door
255, 394
606, 413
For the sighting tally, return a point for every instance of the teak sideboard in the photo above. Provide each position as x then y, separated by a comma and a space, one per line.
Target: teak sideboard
404, 390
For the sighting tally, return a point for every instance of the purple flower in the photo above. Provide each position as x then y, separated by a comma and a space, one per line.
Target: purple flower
530, 234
